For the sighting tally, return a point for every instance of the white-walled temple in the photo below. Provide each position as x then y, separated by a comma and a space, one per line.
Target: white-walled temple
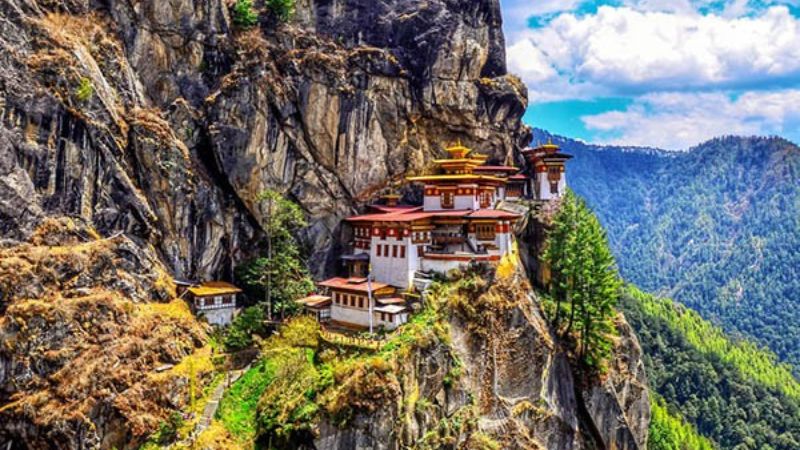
457, 224
548, 164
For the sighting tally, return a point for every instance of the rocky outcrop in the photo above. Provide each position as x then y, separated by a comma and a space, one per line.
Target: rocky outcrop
84, 326
161, 120
500, 376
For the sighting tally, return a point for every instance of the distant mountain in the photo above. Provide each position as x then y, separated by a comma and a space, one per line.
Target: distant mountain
716, 227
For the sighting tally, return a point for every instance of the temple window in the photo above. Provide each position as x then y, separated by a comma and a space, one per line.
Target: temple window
486, 199
447, 200
486, 232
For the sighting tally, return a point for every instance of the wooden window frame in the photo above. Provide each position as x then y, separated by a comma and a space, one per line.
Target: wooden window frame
486, 232
448, 199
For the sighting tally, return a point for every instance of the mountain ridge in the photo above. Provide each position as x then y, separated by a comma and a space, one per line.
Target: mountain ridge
715, 227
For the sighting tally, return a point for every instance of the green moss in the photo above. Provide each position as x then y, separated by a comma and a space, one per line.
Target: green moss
243, 14
282, 9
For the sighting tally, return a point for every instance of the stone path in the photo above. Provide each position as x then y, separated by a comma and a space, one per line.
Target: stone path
214, 399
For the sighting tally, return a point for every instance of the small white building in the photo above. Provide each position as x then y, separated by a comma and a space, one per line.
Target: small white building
214, 300
549, 180
347, 304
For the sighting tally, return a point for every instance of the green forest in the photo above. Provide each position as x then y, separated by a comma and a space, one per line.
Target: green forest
731, 392
716, 228
670, 431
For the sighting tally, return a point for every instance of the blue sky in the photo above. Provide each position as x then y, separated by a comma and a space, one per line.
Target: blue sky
664, 73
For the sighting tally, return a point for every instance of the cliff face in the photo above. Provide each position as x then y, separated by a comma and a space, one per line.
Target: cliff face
83, 328
484, 370
160, 120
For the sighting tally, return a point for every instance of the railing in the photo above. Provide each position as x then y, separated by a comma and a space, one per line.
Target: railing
449, 239
352, 341
212, 307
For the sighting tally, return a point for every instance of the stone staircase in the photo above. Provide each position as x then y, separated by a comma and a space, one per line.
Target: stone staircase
422, 282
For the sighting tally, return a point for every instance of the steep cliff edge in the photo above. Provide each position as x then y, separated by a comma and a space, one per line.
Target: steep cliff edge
478, 368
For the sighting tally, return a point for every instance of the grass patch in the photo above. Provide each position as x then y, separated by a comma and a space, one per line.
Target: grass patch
237, 410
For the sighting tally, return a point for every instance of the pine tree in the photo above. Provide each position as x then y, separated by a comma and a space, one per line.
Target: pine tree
584, 283
280, 276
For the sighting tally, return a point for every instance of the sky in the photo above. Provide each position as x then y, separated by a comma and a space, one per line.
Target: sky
657, 73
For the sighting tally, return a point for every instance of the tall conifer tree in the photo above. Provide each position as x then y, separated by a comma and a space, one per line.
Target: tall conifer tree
584, 283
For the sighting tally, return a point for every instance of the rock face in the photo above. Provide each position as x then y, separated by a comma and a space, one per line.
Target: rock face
500, 376
82, 331
161, 120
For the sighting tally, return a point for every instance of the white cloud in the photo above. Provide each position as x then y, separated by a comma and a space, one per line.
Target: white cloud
627, 52
678, 121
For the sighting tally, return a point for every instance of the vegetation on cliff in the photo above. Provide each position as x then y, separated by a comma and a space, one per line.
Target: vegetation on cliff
93, 338
427, 385
302, 379
731, 391
583, 282
281, 276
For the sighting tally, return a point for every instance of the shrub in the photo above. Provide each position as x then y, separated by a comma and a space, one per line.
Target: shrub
282, 9
243, 14
240, 334
168, 430
85, 90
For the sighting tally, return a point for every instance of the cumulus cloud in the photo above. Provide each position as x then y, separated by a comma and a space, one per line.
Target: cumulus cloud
677, 61
678, 121
627, 52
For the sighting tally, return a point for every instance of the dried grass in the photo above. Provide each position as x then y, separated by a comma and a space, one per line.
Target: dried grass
85, 345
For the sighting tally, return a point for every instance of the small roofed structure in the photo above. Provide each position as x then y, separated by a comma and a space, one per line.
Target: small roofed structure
549, 171
317, 306
350, 303
215, 300
357, 265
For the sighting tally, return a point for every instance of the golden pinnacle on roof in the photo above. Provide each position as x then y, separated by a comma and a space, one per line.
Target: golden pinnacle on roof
458, 150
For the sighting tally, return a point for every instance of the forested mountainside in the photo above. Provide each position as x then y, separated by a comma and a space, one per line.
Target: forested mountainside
717, 228
733, 393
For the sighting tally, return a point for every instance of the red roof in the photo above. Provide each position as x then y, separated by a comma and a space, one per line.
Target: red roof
493, 214
315, 301
413, 216
401, 209
518, 177
450, 213
352, 284
390, 217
